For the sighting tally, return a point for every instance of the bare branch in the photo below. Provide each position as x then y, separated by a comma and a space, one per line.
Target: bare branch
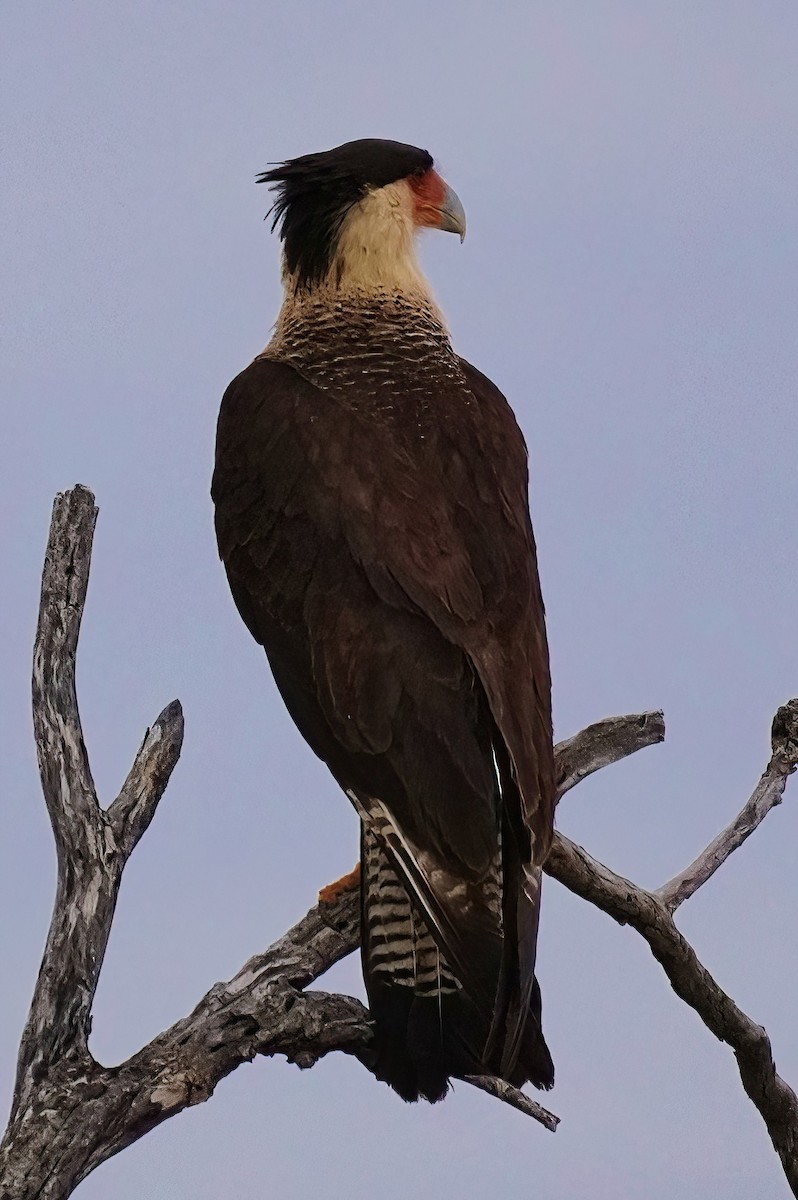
650, 914
645, 912
59, 1017
130, 814
765, 796
517, 1099
90, 858
603, 743
63, 762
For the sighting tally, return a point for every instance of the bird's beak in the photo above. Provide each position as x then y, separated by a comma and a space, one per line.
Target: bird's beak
452, 214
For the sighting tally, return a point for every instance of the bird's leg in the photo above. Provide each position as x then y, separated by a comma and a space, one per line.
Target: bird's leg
333, 892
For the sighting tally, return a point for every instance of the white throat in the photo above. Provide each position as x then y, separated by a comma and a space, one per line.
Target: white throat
376, 251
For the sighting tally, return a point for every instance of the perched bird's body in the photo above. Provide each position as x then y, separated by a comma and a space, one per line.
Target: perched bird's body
371, 512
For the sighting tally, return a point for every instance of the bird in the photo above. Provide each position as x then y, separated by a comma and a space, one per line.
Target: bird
371, 512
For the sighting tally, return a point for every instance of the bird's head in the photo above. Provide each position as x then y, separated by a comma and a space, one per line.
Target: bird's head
348, 217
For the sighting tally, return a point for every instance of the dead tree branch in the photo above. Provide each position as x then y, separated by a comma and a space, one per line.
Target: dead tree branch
765, 796
604, 743
650, 914
70, 1114
91, 857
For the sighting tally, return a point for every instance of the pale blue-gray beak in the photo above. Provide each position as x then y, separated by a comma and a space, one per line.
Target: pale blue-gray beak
453, 218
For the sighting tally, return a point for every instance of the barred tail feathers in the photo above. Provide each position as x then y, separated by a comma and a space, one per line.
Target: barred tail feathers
443, 1005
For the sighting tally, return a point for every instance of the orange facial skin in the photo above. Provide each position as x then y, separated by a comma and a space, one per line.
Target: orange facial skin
429, 192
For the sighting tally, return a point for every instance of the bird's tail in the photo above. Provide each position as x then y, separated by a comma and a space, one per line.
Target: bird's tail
416, 1002
428, 1027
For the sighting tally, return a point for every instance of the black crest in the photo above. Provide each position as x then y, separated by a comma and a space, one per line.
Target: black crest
315, 192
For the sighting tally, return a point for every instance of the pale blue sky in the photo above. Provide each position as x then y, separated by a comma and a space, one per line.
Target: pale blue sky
630, 280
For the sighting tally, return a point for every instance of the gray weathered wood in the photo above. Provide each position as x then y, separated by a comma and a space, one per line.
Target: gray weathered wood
603, 743
646, 913
70, 1113
765, 796
516, 1099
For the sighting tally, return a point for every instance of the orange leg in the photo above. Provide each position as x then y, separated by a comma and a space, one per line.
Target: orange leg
333, 892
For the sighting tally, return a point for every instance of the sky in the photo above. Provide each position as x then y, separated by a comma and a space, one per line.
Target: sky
630, 281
